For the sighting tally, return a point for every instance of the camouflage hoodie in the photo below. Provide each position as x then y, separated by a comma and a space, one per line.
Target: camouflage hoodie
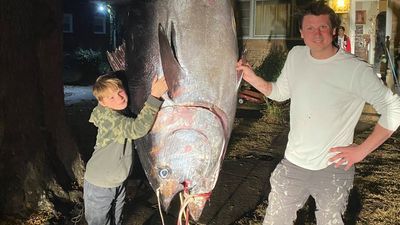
111, 160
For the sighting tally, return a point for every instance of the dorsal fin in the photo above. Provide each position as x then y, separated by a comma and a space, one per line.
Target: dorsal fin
116, 59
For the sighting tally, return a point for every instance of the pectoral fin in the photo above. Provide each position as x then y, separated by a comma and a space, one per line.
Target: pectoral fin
172, 70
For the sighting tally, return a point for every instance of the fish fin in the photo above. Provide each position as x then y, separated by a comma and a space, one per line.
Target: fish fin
116, 58
172, 70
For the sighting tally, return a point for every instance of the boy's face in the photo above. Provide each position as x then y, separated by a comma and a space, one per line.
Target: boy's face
115, 99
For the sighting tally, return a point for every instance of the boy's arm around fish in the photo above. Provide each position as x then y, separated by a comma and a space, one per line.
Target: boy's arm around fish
132, 128
141, 125
110, 122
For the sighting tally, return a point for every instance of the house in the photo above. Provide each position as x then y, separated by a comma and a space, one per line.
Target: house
86, 25
262, 23
90, 28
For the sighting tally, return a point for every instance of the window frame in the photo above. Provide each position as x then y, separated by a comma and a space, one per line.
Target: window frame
275, 36
68, 20
103, 23
252, 26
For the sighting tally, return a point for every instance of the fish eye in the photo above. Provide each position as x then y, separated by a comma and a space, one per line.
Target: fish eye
163, 173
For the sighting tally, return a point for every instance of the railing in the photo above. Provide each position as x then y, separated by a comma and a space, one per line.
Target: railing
393, 69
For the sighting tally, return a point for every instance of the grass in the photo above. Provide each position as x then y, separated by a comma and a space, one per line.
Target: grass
377, 180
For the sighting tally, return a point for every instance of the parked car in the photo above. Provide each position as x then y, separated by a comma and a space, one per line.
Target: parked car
251, 100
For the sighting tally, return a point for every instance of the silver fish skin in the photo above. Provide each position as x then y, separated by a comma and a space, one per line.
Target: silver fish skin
193, 44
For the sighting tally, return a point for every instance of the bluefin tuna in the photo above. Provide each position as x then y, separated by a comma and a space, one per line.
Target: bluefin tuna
193, 44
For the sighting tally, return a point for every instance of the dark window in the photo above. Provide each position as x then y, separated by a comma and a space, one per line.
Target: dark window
68, 23
99, 24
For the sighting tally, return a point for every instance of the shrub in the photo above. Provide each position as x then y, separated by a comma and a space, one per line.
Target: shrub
92, 63
270, 69
272, 64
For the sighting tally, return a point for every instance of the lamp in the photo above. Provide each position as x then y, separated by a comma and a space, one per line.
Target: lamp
101, 7
105, 8
340, 6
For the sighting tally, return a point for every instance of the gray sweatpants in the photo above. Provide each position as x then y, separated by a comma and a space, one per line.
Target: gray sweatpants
103, 206
291, 186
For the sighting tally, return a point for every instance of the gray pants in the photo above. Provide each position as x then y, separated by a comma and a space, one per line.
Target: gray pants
103, 206
292, 185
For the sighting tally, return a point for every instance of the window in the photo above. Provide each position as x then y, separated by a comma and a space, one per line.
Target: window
266, 18
68, 23
244, 15
271, 18
99, 24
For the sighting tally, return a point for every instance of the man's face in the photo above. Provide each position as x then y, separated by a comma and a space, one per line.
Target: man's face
318, 34
115, 99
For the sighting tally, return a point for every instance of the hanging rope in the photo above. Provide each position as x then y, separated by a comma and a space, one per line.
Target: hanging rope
159, 205
187, 199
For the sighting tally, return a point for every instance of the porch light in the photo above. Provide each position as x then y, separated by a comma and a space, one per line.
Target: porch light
101, 7
105, 8
340, 6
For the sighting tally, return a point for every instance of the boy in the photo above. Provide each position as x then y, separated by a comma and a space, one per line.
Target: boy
111, 161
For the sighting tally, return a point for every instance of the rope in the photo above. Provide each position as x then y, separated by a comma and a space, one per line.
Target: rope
187, 199
159, 205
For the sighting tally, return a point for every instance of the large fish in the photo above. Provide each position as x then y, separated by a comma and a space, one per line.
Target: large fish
193, 44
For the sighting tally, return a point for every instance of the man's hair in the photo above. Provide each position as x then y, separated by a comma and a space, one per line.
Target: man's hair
318, 8
104, 83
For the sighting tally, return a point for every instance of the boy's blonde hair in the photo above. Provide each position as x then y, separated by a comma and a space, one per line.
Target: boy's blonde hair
104, 83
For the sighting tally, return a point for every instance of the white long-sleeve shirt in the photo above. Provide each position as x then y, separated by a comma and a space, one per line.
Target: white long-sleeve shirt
327, 99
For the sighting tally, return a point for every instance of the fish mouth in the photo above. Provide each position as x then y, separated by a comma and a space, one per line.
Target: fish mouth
194, 202
166, 192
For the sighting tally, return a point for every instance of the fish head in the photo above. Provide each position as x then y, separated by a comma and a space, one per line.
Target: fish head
188, 145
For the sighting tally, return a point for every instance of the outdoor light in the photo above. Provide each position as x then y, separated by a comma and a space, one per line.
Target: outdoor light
340, 6
101, 7
105, 8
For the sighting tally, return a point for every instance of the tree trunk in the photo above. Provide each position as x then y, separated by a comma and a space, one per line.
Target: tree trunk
39, 160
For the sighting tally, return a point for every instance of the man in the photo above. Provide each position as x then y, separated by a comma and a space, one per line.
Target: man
328, 89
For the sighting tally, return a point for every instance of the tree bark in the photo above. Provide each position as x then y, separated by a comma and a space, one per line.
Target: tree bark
39, 160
